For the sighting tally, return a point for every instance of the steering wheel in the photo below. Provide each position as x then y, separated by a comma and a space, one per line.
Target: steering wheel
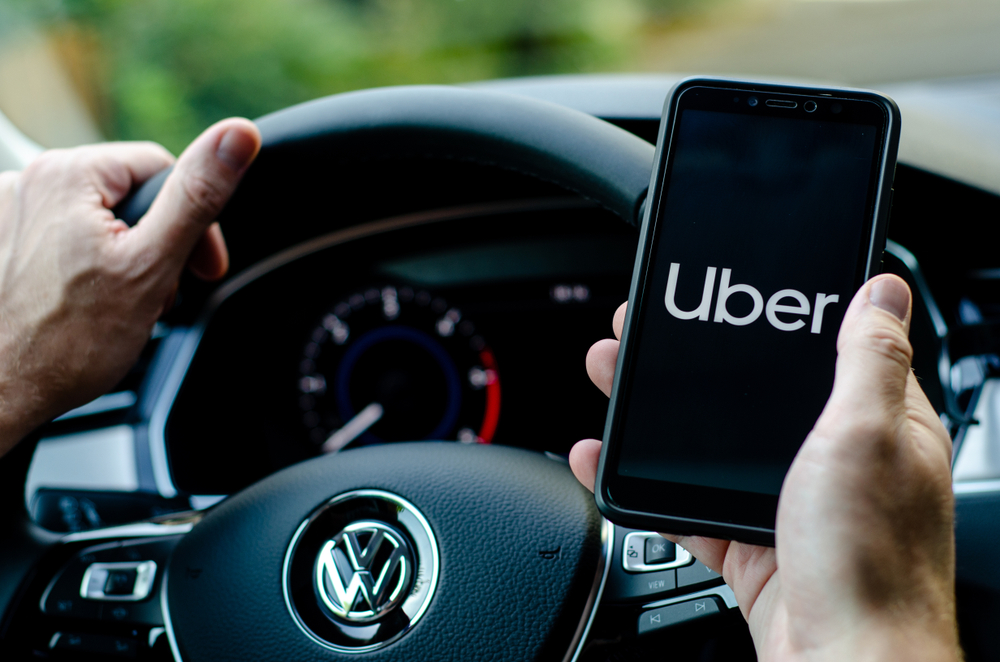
411, 551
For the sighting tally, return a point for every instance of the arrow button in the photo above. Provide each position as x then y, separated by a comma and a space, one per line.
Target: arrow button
695, 574
679, 612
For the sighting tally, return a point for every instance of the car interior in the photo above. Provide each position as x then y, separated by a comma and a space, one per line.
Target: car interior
417, 274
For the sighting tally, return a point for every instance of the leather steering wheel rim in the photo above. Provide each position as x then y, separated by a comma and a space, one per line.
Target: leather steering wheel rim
552, 143
573, 150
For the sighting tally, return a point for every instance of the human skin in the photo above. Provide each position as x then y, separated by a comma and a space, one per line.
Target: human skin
80, 291
864, 562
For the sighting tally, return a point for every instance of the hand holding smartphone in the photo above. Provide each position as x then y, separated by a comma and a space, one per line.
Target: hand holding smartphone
767, 210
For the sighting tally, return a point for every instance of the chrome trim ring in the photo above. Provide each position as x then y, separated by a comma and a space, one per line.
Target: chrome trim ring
168, 623
638, 563
342, 635
175, 527
93, 586
594, 600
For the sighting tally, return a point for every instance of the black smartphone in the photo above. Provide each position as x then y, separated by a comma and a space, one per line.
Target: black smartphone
767, 210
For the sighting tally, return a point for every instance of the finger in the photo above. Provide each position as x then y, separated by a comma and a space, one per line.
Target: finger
937, 444
619, 320
601, 361
583, 459
873, 360
109, 170
125, 165
210, 260
201, 183
709, 551
746, 568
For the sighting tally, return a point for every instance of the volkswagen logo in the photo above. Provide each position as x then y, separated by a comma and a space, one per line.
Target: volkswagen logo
360, 571
364, 571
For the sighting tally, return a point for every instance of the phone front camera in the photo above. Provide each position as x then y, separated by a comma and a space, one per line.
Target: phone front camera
752, 101
809, 106
836, 108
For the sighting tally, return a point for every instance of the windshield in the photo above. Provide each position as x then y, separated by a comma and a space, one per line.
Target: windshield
77, 71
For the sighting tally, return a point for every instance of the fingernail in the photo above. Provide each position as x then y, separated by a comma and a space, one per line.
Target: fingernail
236, 149
891, 295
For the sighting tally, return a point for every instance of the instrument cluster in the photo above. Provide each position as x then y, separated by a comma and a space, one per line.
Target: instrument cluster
397, 363
452, 331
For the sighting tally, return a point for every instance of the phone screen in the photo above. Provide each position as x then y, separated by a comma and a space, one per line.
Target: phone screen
760, 238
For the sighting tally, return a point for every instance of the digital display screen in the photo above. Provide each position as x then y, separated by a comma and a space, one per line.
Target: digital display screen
756, 254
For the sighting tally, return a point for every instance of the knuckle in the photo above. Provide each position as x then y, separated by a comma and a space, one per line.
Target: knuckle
45, 164
890, 343
83, 158
204, 196
871, 427
62, 166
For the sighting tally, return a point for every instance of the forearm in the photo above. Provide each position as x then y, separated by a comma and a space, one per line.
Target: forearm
27, 398
12, 427
20, 405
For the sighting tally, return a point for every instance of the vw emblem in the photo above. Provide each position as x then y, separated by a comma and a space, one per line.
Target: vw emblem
360, 571
364, 571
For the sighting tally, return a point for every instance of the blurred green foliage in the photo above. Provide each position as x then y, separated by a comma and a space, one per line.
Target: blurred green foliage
165, 69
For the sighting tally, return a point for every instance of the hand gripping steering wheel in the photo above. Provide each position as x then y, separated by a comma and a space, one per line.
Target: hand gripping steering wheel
413, 551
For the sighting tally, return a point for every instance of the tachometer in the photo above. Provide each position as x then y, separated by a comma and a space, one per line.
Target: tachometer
397, 364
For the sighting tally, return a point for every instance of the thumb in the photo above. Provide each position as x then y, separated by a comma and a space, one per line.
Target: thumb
583, 460
202, 181
873, 357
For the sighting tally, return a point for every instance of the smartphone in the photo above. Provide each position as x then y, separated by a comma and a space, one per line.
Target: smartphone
767, 210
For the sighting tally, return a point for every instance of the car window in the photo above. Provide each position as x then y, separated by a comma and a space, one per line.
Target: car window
75, 71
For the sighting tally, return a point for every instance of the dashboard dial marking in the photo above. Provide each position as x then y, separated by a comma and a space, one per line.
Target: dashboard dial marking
395, 363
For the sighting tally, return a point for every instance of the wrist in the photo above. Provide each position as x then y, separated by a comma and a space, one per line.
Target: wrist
21, 404
909, 642
904, 640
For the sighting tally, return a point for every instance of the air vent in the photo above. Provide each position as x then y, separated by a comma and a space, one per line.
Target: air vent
781, 103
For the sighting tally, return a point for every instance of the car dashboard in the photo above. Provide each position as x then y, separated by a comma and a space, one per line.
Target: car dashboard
467, 325
457, 304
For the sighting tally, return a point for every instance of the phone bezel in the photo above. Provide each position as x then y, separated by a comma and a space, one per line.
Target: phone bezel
691, 509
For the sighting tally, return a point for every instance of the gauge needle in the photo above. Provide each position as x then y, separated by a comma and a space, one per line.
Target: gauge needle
354, 428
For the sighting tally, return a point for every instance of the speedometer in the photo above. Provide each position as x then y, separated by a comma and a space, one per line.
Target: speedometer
397, 364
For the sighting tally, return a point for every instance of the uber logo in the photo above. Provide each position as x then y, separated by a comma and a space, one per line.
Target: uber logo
798, 303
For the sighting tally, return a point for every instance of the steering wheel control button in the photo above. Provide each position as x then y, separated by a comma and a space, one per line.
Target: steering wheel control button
122, 582
679, 612
72, 607
696, 574
360, 571
94, 644
659, 550
116, 582
648, 551
128, 581
642, 586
